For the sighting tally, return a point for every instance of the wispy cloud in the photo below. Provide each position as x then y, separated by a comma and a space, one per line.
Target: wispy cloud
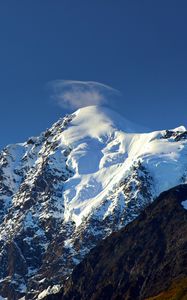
76, 94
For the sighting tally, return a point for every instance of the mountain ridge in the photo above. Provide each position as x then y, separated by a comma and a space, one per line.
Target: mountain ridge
141, 261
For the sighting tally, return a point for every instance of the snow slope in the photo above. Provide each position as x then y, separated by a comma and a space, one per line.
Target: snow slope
91, 173
99, 146
104, 146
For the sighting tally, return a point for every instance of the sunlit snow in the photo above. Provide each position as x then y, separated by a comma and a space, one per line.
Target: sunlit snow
104, 146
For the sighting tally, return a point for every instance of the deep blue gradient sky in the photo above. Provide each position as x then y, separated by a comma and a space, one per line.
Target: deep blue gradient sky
138, 47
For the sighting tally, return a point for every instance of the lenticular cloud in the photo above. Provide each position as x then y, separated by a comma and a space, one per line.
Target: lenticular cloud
76, 94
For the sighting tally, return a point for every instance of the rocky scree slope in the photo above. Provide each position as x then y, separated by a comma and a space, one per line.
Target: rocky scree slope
88, 175
140, 261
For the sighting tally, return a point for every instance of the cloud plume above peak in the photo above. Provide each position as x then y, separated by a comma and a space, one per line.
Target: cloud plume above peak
76, 94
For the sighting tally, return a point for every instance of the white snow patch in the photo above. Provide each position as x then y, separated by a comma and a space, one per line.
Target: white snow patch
184, 204
50, 290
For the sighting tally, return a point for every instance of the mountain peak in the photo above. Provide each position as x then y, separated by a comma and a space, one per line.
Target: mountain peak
180, 129
98, 121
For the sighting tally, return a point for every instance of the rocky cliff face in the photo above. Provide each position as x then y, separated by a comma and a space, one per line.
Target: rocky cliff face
143, 260
61, 193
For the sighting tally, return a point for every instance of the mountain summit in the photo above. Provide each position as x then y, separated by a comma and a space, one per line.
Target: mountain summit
88, 175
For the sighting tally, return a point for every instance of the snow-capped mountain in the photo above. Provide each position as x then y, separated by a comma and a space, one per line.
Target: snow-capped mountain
90, 174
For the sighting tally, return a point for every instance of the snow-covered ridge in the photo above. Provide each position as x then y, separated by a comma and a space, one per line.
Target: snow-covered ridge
104, 147
91, 173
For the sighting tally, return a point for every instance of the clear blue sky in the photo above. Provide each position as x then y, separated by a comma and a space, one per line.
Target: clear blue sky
138, 47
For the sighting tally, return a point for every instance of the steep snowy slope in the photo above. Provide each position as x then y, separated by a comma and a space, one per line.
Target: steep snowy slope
90, 174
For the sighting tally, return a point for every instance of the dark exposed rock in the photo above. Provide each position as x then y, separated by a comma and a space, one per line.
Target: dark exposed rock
139, 261
176, 135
